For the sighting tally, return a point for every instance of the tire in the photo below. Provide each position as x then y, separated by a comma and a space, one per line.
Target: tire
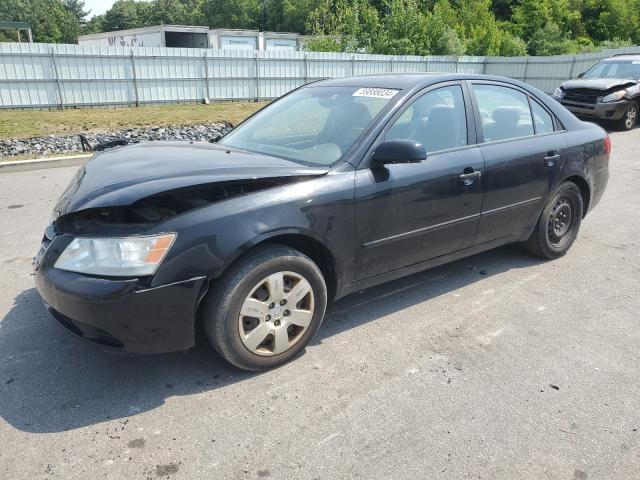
629, 117
559, 223
254, 285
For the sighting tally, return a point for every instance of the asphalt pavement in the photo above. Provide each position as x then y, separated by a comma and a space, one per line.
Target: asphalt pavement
498, 366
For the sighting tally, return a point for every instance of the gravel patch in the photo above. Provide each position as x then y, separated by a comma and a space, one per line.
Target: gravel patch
59, 144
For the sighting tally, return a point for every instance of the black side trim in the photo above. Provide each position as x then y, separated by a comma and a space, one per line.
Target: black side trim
424, 265
513, 205
419, 231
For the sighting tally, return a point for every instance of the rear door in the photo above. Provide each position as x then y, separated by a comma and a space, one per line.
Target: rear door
522, 146
408, 213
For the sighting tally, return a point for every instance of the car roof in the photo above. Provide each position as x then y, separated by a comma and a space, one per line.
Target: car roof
623, 56
404, 81
414, 82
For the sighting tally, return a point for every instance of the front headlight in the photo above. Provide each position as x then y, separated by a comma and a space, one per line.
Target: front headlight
558, 92
115, 256
614, 97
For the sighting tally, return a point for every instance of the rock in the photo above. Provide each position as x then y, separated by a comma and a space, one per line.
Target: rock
60, 144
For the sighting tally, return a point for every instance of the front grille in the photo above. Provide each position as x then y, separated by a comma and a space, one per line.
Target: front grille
581, 96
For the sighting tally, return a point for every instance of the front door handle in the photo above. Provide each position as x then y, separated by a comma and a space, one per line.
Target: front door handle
551, 159
469, 176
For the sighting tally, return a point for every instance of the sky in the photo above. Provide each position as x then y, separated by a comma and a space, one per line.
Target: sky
98, 7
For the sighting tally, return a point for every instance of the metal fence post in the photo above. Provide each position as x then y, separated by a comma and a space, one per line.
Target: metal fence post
255, 56
573, 65
135, 79
526, 69
57, 77
206, 75
353, 64
305, 68
484, 66
391, 64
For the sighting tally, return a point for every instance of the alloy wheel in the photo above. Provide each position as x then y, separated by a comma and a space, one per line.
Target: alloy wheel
630, 118
276, 313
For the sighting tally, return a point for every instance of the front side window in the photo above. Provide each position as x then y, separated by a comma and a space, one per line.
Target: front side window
504, 112
625, 69
437, 120
313, 125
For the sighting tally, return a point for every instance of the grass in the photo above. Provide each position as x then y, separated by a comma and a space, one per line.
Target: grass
35, 123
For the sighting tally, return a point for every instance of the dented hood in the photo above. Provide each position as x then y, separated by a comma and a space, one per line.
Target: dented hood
126, 174
598, 83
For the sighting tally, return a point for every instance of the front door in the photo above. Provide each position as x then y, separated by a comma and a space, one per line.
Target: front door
409, 213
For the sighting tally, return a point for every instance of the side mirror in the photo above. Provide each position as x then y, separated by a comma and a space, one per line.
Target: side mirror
580, 75
398, 151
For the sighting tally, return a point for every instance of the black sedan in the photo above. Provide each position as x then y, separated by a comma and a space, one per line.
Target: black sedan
337, 186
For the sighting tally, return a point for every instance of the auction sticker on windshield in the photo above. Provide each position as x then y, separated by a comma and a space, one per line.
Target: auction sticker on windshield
375, 92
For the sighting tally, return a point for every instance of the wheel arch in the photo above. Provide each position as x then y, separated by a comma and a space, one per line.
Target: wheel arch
305, 242
585, 191
302, 241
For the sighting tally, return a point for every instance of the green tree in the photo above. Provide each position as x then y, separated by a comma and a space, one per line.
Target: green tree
50, 21
530, 16
349, 26
404, 30
438, 27
232, 13
122, 15
609, 19
76, 9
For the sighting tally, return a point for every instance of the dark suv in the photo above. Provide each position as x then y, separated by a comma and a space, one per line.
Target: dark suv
610, 90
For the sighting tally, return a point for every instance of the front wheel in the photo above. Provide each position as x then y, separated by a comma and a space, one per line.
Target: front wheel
266, 309
629, 118
559, 222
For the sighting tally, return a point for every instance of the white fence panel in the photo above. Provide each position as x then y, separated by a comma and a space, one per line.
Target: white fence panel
58, 76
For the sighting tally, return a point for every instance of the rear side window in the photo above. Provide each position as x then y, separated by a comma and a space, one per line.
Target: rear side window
504, 112
542, 119
437, 120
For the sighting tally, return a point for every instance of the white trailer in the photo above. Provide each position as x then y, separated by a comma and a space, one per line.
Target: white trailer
229, 39
178, 36
279, 41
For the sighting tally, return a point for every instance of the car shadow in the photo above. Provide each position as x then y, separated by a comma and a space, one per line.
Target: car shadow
53, 382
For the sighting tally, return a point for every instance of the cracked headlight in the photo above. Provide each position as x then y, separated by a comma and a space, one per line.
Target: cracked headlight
614, 97
115, 256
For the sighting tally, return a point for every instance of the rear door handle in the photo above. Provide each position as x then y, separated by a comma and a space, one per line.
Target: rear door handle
551, 159
469, 176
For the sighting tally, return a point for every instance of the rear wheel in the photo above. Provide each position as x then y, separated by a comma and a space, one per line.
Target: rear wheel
266, 308
559, 222
629, 118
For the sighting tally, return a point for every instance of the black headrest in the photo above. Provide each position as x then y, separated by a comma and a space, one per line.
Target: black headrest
442, 113
507, 115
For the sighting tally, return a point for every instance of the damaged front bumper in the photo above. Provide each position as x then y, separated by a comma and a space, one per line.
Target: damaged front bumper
120, 314
603, 111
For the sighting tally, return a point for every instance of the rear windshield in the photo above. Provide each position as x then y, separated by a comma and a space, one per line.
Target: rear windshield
313, 125
626, 69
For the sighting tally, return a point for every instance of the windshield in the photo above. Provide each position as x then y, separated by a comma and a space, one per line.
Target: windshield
313, 125
629, 69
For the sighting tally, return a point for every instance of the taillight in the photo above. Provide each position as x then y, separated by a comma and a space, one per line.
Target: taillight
607, 145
